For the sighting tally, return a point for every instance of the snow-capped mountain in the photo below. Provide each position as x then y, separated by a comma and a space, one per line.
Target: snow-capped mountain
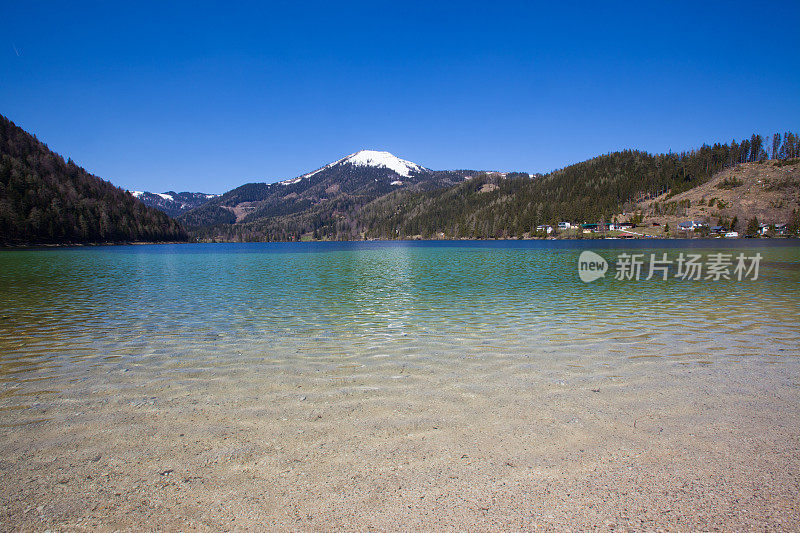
173, 203
368, 158
347, 183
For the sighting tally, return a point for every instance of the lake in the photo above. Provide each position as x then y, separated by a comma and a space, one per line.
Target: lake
415, 385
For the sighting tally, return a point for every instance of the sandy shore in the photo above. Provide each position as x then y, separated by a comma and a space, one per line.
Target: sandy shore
486, 444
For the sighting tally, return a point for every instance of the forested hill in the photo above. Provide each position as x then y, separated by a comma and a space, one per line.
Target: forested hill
495, 205
46, 200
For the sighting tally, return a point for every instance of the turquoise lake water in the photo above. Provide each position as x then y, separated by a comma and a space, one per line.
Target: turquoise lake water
206, 304
184, 305
189, 307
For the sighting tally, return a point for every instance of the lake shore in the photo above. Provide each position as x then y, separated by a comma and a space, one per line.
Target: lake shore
576, 453
431, 386
589, 237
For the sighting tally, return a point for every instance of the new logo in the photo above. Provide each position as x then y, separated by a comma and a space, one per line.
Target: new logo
591, 266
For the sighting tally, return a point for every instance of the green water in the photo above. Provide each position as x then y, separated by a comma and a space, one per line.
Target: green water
182, 308
60, 307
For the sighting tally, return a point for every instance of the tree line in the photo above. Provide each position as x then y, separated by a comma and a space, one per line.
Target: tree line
45, 199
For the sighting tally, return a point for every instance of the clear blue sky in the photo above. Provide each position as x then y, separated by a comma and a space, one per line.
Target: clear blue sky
200, 96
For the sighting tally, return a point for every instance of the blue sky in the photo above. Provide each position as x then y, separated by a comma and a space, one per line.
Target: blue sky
207, 96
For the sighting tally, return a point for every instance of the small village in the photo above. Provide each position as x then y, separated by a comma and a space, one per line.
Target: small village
687, 229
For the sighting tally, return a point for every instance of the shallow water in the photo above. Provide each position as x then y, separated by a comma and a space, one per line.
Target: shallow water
258, 351
190, 307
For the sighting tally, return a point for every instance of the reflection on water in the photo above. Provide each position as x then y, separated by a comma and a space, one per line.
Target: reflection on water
66, 314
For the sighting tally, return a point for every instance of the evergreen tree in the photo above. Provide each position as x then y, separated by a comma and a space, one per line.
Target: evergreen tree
752, 227
776, 145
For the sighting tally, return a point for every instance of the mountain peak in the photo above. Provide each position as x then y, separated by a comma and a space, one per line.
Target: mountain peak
373, 158
368, 158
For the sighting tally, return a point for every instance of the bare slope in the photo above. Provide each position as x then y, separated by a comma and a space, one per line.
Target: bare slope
767, 190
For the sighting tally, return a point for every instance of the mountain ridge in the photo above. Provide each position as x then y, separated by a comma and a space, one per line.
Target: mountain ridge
347, 201
339, 187
173, 203
375, 194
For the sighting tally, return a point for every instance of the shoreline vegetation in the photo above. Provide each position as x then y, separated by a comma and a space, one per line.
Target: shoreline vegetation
597, 236
34, 246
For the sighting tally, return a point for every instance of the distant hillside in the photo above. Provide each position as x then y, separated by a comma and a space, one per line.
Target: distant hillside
45, 200
173, 203
496, 206
376, 195
324, 203
492, 206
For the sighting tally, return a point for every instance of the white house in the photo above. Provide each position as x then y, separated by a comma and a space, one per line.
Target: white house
545, 228
692, 225
564, 225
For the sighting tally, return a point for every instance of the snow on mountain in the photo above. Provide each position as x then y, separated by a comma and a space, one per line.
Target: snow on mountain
368, 158
371, 158
171, 202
